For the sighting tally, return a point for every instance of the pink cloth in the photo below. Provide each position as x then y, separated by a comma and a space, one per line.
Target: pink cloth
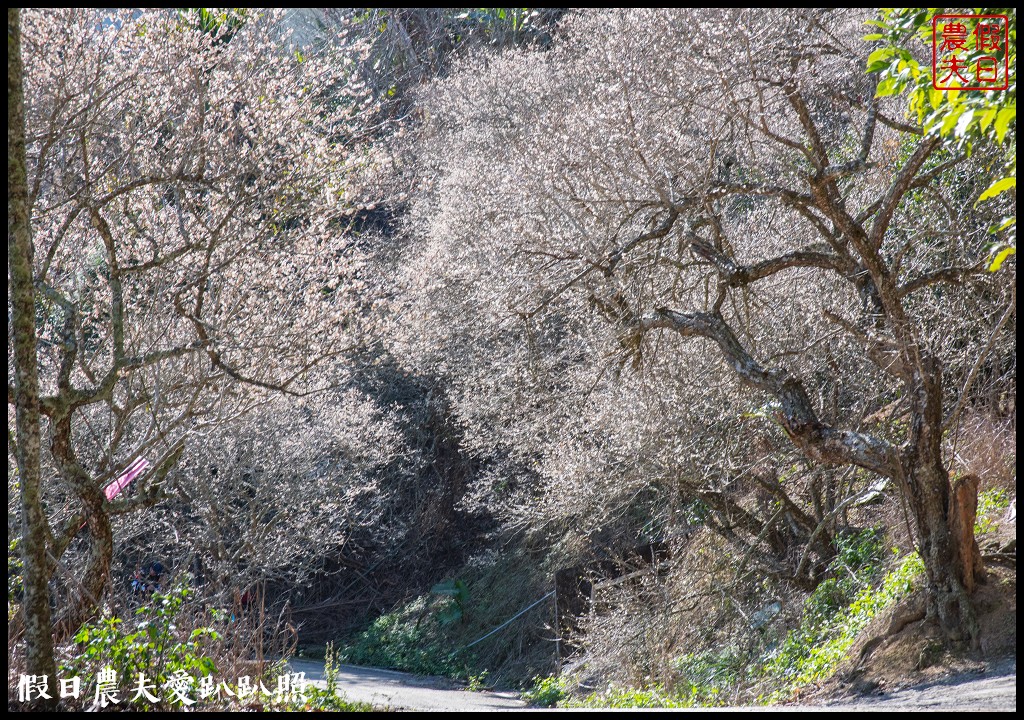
137, 467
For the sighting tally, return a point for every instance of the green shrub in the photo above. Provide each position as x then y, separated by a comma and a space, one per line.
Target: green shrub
813, 651
706, 678
990, 504
857, 564
156, 642
833, 615
709, 677
410, 638
478, 681
652, 696
546, 692
860, 554
619, 697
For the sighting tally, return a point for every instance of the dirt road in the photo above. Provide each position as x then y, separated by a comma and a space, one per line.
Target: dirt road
994, 691
402, 691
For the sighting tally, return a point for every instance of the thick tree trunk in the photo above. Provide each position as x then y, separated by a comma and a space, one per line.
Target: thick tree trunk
951, 560
949, 598
90, 587
948, 556
36, 603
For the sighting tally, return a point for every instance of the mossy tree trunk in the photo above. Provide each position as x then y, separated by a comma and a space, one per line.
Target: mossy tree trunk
25, 394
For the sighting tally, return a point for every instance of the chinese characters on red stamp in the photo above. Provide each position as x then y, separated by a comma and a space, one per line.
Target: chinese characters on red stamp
969, 52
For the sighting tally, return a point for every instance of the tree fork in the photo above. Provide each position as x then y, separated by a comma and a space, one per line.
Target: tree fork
951, 558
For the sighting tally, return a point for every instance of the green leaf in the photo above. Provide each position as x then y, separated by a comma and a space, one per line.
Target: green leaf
1000, 258
888, 86
950, 122
450, 615
877, 59
987, 117
1007, 222
998, 187
1003, 119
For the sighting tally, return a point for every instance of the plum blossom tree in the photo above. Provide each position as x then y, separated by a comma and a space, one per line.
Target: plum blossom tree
183, 178
729, 208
